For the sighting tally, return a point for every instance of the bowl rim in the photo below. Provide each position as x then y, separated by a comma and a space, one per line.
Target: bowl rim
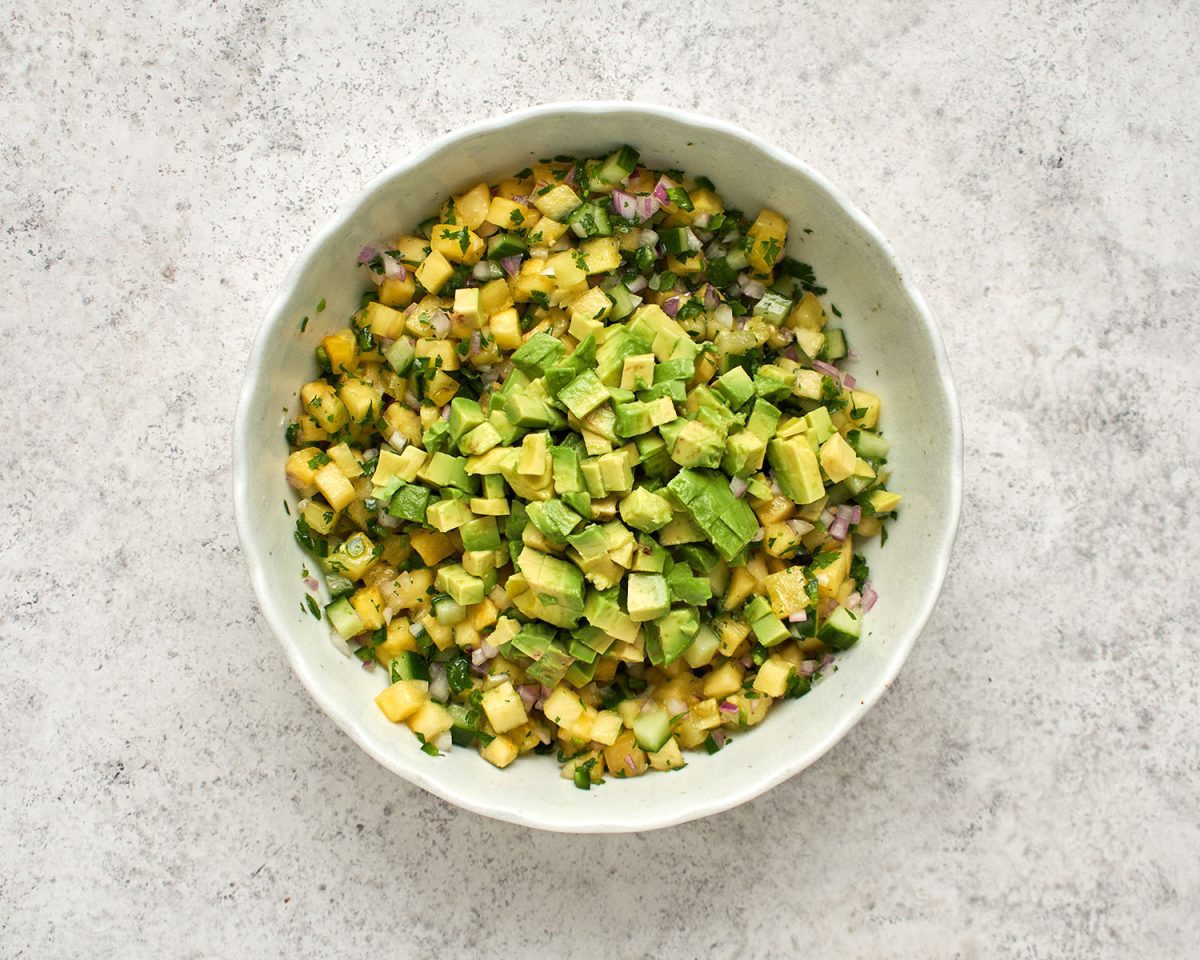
697, 805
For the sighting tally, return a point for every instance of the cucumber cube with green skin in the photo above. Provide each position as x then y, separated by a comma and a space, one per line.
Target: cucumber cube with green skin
400, 355
870, 446
835, 345
447, 515
480, 534
734, 387
536, 354
344, 619
409, 665
590, 220
680, 368
652, 729
676, 631
632, 419
550, 668
647, 596
624, 301
773, 307
504, 245
339, 586
465, 416
553, 519
675, 239
796, 469
479, 440
772, 382
410, 502
583, 394
645, 511
463, 588
764, 419
819, 421
447, 612
617, 166
841, 629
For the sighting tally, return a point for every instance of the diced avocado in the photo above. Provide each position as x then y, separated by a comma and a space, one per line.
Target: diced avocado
580, 675
553, 518
744, 454
410, 502
674, 390
681, 529
679, 368
645, 511
647, 597
618, 396
841, 629
557, 584
479, 440
550, 668
480, 534
568, 478
653, 456
603, 611
676, 631
632, 419
593, 479
698, 556
764, 419
537, 354
598, 640
772, 382
581, 651
495, 461
493, 487
533, 639
728, 523
508, 430
687, 588
436, 437
582, 358
583, 394
443, 470
615, 472
698, 445
534, 451
465, 416
514, 523
796, 469
648, 556
734, 387
618, 344
462, 587
447, 515
529, 412
819, 422
638, 372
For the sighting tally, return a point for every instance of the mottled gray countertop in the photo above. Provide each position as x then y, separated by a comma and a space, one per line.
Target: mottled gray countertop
1029, 788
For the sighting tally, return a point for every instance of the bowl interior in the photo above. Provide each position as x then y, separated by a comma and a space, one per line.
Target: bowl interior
901, 358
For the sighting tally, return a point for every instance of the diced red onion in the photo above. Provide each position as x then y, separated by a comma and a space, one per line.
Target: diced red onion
839, 528
637, 284
827, 369
302, 505
851, 513
511, 265
311, 583
475, 343
444, 741
741, 323
711, 298
851, 355
648, 205
869, 596
625, 204
671, 306
647, 705
660, 190
758, 537
411, 401
826, 660
445, 412
714, 250
440, 323
411, 309
800, 527
543, 734
488, 650
529, 694
798, 617
854, 600
718, 736
569, 179
478, 657
790, 353
630, 764
521, 199
369, 665
808, 668
826, 517
737, 486
849, 382
367, 254
830, 605
393, 269
398, 441
747, 661
417, 629
726, 707
775, 489
482, 270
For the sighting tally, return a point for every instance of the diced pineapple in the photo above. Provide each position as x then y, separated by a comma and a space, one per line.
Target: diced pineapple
354, 557
769, 233
606, 727
724, 680
441, 388
668, 757
301, 468
506, 328
320, 516
431, 545
384, 321
884, 501
334, 486
399, 639
785, 590
773, 676
368, 604
434, 271
394, 292
741, 585
557, 202
602, 254
431, 720
504, 708
867, 406
411, 250
321, 401
780, 540
507, 214
402, 699
562, 706
400, 419
411, 587
473, 205
346, 461
546, 232
625, 758
500, 752
494, 297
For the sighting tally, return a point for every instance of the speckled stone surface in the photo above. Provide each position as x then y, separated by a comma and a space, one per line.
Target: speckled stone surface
1031, 785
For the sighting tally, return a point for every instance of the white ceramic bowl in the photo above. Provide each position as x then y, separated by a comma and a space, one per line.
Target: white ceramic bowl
888, 325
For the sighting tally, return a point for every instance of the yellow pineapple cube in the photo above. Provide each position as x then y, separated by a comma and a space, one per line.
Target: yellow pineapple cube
320, 516
433, 546
323, 404
667, 757
361, 400
602, 254
384, 321
434, 271
457, 243
562, 706
301, 468
466, 305
402, 699
368, 604
569, 268
442, 388
500, 752
546, 232
440, 354
506, 328
334, 486
504, 708
346, 461
397, 293
410, 250
341, 349
724, 680
557, 202
773, 676
473, 205
507, 214
606, 727
769, 233
399, 639
431, 720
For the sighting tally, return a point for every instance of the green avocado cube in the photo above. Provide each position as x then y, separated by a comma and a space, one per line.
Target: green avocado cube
506, 428
593, 479
743, 454
550, 668
527, 411
615, 472
648, 556
633, 419
436, 436
618, 344
647, 596
583, 394
645, 511
653, 455
602, 610
676, 631
410, 502
553, 518
686, 587
772, 382
479, 440
764, 419
591, 542
568, 478
443, 470
465, 416
463, 588
796, 469
681, 368
481, 533
536, 354
772, 307
447, 515
557, 584
734, 387
819, 422
534, 639
675, 390
638, 372
698, 445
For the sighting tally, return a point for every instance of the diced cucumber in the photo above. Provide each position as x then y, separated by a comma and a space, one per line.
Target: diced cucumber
870, 446
619, 164
590, 220
409, 665
772, 307
448, 612
841, 629
338, 585
703, 648
624, 302
400, 355
835, 344
652, 729
344, 618
504, 245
